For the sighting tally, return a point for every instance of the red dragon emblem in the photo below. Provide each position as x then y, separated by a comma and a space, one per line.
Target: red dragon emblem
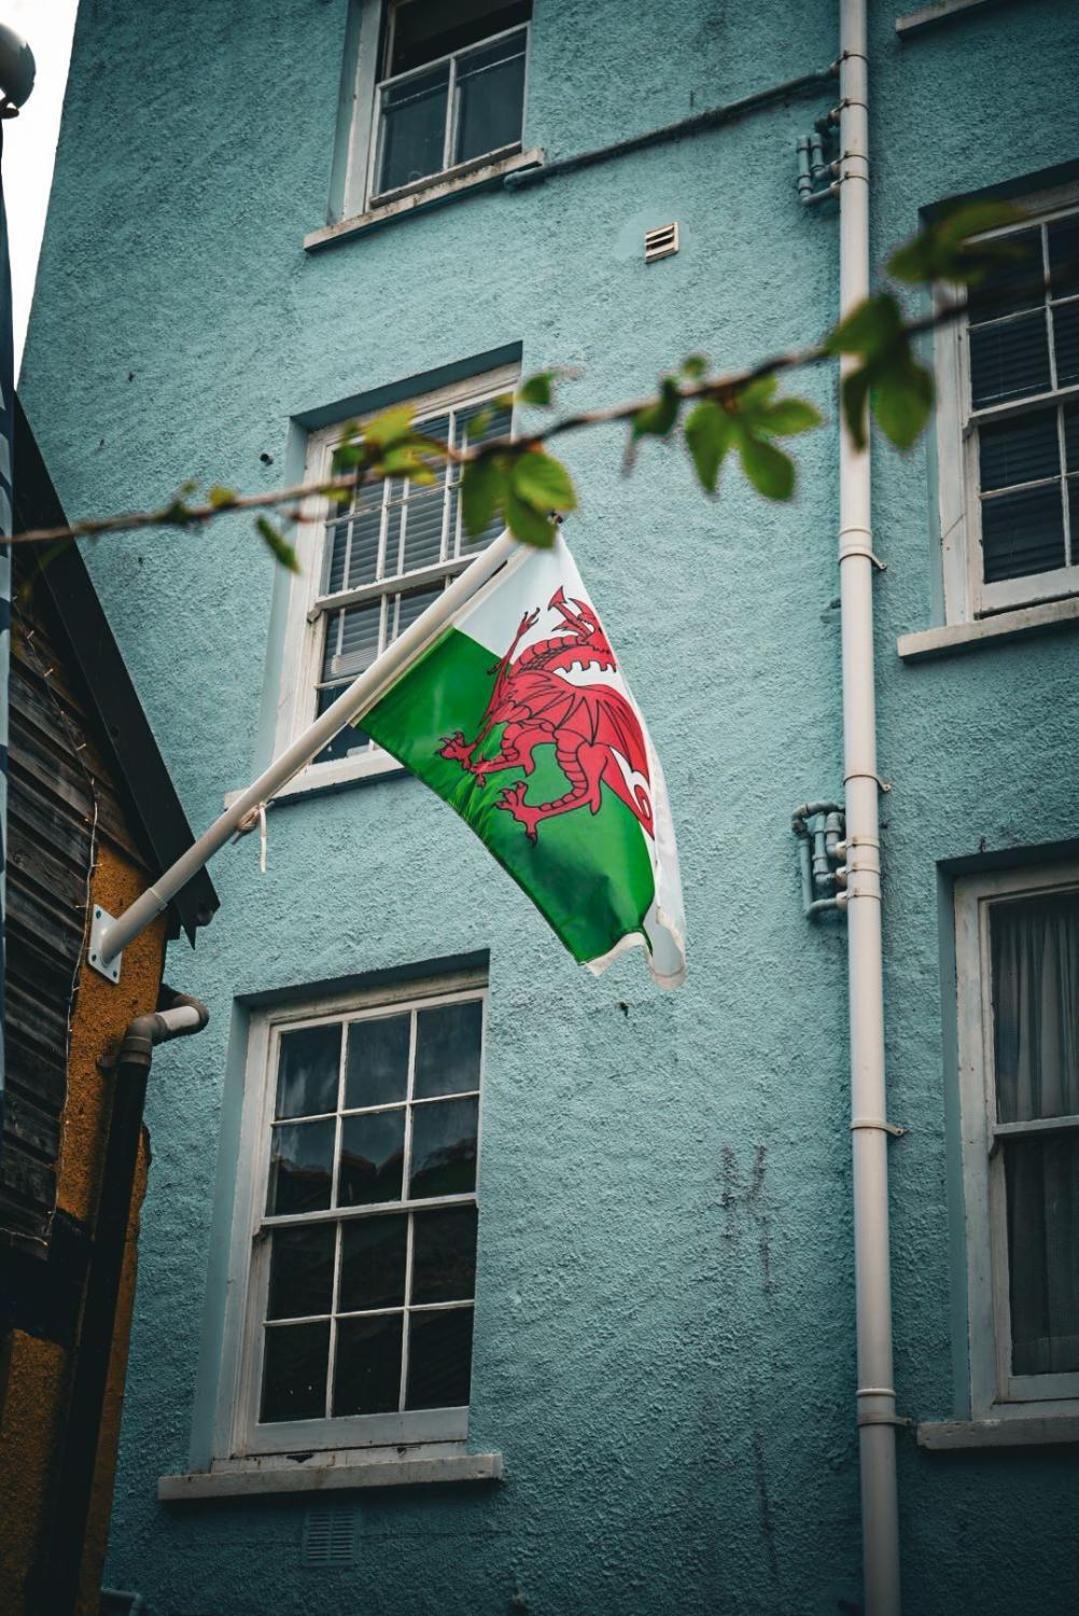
594, 730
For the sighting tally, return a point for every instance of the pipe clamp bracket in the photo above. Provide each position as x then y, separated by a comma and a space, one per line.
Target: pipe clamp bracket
881, 1126
99, 925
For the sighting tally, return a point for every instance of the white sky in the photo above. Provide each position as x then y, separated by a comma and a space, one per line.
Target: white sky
30, 142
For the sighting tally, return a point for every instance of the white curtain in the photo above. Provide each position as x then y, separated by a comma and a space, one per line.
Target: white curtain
1035, 944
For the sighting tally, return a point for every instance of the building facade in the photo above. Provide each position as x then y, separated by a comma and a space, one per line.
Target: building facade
606, 1361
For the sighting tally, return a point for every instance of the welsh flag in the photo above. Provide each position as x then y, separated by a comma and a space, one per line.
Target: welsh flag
517, 715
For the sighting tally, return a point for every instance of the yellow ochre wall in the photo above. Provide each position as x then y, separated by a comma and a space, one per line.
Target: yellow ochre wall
35, 1374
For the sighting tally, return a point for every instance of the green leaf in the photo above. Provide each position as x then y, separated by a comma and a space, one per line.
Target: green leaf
220, 497
406, 460
277, 544
694, 366
347, 456
656, 420
755, 395
902, 400
944, 250
769, 470
537, 389
790, 416
389, 427
527, 524
483, 487
543, 482
708, 432
871, 326
855, 394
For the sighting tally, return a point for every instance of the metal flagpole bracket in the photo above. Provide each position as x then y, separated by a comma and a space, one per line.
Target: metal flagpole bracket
109, 968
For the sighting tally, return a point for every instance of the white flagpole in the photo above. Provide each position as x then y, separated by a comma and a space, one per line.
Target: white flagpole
360, 696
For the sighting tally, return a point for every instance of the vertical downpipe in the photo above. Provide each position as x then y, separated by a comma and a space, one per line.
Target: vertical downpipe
869, 1136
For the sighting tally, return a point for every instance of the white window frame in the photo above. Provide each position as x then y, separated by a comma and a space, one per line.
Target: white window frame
238, 1434
374, 46
309, 608
966, 595
995, 1392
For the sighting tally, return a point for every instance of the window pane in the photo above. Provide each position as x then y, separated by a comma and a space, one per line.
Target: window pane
307, 1068
411, 605
426, 29
1009, 360
439, 1358
490, 98
1042, 1178
376, 1069
372, 1149
444, 1148
499, 425
372, 1263
1035, 951
1071, 436
1063, 256
1014, 283
352, 637
367, 1375
353, 542
1022, 533
423, 519
294, 1372
348, 742
301, 1271
448, 1041
1066, 343
444, 1255
301, 1167
1019, 451
413, 128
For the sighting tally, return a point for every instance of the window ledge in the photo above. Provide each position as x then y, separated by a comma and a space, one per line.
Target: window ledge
1023, 1431
912, 22
337, 775
327, 1473
428, 196
955, 638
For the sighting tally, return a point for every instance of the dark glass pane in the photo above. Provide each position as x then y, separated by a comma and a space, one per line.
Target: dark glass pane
444, 1255
1009, 360
490, 98
348, 742
423, 527
449, 1039
1071, 436
409, 607
367, 1376
1035, 953
1042, 1178
294, 1372
372, 1148
427, 29
376, 1069
1066, 343
439, 1358
1015, 283
1022, 533
301, 1271
1019, 451
444, 1147
307, 1068
413, 129
352, 640
301, 1167
372, 1263
1064, 256
353, 545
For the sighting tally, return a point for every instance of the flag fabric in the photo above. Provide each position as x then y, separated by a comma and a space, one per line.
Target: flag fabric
518, 716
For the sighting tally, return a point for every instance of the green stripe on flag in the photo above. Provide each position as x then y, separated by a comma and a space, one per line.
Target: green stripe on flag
589, 874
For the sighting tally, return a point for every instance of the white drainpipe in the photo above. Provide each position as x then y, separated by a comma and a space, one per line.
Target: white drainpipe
869, 1130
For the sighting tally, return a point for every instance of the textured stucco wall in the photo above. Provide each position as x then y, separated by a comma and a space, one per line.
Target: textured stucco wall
664, 1327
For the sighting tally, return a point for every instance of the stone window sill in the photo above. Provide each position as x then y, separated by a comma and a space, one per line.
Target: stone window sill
912, 22
337, 775
955, 638
327, 1473
439, 191
1030, 1431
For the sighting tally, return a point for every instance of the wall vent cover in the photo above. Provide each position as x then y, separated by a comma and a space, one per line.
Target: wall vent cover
660, 242
330, 1529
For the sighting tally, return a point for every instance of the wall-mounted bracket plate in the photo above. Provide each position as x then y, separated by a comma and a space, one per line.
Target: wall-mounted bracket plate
100, 923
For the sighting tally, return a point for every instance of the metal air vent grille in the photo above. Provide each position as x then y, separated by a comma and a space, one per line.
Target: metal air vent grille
329, 1533
660, 242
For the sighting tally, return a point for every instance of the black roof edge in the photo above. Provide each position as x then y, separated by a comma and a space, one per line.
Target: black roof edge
157, 819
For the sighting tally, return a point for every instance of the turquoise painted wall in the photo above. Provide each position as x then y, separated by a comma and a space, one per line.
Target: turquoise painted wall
664, 1349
